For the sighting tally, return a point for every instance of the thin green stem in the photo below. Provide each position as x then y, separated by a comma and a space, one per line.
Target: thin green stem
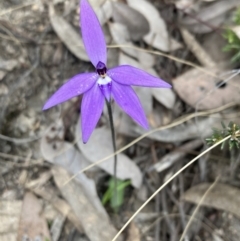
109, 107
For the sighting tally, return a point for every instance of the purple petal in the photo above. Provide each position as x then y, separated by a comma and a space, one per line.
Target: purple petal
92, 34
91, 110
75, 86
128, 75
129, 102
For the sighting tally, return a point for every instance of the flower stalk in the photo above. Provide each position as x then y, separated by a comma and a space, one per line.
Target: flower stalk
109, 108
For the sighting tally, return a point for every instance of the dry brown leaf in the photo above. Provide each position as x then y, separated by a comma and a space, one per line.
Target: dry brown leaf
158, 36
96, 226
32, 225
213, 15
135, 22
199, 89
100, 146
222, 196
184, 132
68, 35
62, 153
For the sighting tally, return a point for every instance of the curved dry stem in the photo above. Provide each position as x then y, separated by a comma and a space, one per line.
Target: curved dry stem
166, 183
175, 123
165, 55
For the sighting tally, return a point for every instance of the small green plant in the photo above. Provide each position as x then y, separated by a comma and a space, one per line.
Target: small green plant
109, 196
232, 39
232, 45
236, 17
232, 129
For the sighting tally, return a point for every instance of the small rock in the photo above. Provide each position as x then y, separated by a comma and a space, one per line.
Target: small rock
3, 89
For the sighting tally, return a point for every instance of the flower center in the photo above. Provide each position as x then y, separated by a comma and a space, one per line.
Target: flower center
101, 69
104, 81
105, 85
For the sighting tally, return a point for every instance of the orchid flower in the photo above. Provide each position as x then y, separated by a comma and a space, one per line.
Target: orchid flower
103, 84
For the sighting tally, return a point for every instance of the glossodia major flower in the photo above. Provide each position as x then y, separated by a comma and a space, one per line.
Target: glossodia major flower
103, 84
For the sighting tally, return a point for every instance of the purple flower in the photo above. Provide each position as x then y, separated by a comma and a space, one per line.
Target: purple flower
103, 84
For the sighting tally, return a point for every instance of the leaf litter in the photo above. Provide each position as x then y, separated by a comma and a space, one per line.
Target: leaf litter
148, 25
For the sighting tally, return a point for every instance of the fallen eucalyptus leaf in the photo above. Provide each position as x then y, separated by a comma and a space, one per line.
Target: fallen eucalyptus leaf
136, 23
68, 35
198, 89
96, 226
183, 132
222, 196
64, 154
100, 146
158, 36
32, 225
212, 14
